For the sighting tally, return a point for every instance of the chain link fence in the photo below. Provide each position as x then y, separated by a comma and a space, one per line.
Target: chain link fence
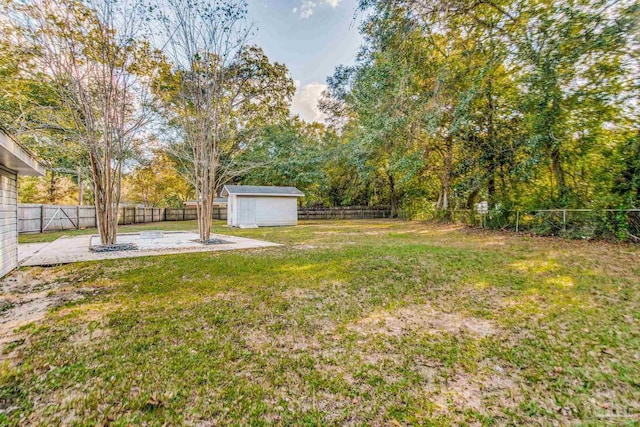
616, 224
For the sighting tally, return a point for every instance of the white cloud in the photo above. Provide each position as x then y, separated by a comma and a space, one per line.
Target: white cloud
305, 102
308, 7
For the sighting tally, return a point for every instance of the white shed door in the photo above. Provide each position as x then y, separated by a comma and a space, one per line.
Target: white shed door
247, 211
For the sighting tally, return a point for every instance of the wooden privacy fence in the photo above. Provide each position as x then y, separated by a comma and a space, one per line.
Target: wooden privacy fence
187, 214
345, 212
134, 215
37, 218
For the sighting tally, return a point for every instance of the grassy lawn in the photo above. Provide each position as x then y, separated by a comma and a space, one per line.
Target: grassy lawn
362, 323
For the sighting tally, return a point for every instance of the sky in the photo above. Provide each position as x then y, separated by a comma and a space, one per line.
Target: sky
311, 37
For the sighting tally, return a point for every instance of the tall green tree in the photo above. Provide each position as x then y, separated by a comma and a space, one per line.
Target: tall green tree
289, 153
525, 103
32, 111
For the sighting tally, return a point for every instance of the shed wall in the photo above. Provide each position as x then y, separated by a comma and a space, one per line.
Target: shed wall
269, 210
232, 210
273, 211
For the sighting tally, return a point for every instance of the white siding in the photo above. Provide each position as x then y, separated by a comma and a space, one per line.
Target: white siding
271, 211
232, 211
246, 211
8, 222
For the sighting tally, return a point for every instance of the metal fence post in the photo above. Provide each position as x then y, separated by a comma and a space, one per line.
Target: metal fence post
517, 220
564, 220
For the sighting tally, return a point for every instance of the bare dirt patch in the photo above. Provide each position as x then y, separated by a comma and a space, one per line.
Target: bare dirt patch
422, 318
27, 296
88, 334
31, 280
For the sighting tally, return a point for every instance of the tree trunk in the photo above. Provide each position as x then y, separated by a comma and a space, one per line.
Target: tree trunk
491, 186
80, 188
107, 217
52, 188
445, 196
205, 213
393, 198
205, 174
106, 199
445, 179
491, 136
471, 200
558, 173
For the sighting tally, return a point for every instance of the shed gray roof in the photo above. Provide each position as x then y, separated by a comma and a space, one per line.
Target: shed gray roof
259, 190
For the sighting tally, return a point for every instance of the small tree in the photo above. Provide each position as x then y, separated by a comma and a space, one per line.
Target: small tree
94, 55
217, 90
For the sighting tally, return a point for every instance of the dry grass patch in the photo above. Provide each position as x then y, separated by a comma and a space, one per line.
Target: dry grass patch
422, 319
489, 394
261, 341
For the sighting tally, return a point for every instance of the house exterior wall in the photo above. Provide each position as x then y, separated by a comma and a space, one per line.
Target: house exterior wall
8, 221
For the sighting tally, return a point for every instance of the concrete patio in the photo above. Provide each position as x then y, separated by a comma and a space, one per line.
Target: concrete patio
68, 249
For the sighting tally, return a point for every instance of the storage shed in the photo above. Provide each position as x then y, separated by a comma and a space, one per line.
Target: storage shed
14, 160
251, 206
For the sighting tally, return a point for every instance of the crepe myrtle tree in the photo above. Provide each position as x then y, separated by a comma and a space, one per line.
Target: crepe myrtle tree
96, 56
217, 91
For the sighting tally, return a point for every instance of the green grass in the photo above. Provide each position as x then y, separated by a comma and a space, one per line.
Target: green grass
362, 322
